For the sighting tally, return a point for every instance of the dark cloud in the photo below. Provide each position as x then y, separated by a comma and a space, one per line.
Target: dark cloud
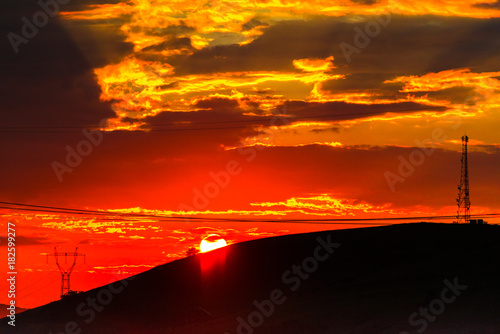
473, 46
50, 81
67, 101
459, 95
80, 5
361, 82
365, 83
227, 113
73, 5
168, 86
180, 44
171, 44
101, 43
343, 110
366, 2
92, 2
25, 241
62, 38
374, 84
172, 30
333, 129
263, 91
217, 103
488, 5
491, 149
252, 23
211, 113
407, 45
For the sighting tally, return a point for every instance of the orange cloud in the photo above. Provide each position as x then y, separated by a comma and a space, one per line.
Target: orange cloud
486, 89
263, 144
145, 88
448, 79
99, 12
314, 65
325, 204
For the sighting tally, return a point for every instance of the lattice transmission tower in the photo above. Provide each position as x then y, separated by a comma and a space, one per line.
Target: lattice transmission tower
65, 273
463, 200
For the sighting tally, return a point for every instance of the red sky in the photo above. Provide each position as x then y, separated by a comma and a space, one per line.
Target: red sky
236, 110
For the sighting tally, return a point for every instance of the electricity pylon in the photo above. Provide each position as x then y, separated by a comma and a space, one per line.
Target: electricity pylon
65, 273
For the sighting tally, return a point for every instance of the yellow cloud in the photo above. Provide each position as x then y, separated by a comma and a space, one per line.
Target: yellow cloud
314, 65
145, 88
256, 143
329, 205
486, 89
99, 12
448, 79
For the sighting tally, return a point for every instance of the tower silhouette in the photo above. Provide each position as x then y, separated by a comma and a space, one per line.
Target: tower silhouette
463, 200
65, 273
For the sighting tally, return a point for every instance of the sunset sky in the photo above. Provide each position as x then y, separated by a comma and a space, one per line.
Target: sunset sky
235, 110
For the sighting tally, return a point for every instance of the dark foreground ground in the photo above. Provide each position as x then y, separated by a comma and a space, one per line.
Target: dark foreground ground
414, 278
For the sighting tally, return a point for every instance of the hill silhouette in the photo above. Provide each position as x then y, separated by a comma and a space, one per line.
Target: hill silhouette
437, 278
4, 312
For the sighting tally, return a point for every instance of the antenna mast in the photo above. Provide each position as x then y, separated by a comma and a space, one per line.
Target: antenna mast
463, 200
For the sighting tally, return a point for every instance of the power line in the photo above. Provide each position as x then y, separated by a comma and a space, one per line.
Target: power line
30, 285
53, 209
35, 291
354, 221
149, 130
153, 127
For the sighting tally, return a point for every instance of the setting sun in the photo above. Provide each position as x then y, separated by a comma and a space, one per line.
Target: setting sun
213, 241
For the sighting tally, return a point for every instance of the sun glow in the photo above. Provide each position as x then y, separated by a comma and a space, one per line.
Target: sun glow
213, 241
